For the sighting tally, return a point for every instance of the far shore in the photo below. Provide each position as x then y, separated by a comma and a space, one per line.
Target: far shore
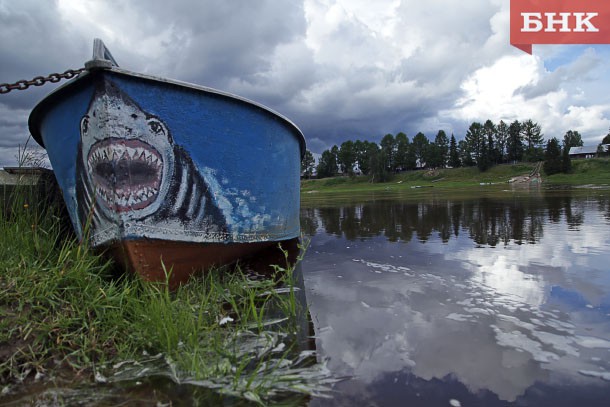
595, 171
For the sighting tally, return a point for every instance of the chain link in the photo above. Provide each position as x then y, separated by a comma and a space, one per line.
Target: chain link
39, 80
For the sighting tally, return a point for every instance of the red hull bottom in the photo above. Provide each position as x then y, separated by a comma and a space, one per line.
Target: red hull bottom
150, 258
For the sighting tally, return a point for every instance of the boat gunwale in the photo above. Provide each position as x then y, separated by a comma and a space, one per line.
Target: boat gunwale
38, 110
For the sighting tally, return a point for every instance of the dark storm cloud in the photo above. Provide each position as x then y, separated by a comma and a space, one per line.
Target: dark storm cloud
209, 43
350, 84
212, 42
33, 42
339, 69
370, 89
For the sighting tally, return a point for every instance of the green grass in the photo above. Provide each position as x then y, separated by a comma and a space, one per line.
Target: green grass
63, 312
585, 172
591, 171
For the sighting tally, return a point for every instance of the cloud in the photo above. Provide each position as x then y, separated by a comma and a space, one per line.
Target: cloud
518, 87
340, 69
11, 121
580, 68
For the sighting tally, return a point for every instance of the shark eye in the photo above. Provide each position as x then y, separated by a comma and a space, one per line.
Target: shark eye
156, 126
84, 125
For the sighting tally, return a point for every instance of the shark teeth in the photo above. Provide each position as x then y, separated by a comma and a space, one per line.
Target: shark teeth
117, 152
129, 198
126, 174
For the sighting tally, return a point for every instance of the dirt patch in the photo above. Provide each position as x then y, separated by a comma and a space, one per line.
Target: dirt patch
526, 179
432, 173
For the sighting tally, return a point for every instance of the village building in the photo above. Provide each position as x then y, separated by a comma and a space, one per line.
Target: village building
585, 151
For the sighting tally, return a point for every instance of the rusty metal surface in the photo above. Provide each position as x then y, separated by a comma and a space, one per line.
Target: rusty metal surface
150, 259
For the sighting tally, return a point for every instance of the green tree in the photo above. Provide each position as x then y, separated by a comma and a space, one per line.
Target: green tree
433, 156
308, 164
378, 163
454, 154
552, 157
420, 145
484, 161
532, 138
442, 146
363, 155
501, 140
335, 151
410, 160
475, 142
514, 144
388, 145
465, 154
572, 139
346, 157
490, 130
402, 151
327, 166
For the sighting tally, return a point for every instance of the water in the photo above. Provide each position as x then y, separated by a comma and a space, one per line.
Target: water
502, 300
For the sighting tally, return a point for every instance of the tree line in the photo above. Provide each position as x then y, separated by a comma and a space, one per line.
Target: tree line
483, 146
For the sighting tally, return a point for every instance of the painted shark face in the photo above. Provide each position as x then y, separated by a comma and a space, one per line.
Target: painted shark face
128, 155
127, 173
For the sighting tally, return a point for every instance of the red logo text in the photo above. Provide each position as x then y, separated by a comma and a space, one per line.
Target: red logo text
559, 22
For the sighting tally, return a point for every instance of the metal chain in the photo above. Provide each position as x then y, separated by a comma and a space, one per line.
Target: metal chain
39, 80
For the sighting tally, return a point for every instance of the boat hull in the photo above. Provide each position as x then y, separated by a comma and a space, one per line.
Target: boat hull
165, 173
174, 262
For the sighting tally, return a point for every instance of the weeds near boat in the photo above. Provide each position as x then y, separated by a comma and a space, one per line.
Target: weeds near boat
64, 314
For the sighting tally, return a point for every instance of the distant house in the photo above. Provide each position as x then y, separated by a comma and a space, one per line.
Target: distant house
22, 175
583, 152
36, 180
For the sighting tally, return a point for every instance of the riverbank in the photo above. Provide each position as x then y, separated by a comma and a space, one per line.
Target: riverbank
591, 171
68, 320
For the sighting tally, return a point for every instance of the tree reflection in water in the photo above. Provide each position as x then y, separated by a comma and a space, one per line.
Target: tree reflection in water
487, 221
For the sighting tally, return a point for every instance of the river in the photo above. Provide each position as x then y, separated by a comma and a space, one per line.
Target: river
489, 298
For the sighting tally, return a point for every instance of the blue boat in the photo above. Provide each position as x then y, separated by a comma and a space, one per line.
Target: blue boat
167, 175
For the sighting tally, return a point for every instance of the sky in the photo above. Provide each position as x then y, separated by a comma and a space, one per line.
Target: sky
339, 69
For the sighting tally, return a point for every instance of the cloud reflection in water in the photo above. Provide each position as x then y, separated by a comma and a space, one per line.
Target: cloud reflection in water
453, 310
